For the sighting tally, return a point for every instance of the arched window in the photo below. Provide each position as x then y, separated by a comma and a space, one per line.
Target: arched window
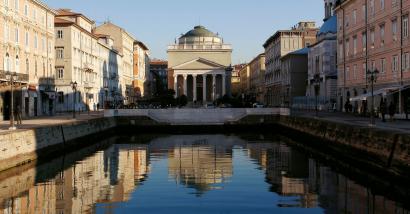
27, 66
17, 68
7, 62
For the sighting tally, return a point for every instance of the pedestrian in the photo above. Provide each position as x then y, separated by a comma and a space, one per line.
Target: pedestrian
18, 115
392, 110
98, 106
383, 109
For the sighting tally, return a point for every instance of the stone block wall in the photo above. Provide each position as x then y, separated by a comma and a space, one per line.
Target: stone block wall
22, 146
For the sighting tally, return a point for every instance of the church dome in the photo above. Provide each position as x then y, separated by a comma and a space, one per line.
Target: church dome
199, 31
200, 35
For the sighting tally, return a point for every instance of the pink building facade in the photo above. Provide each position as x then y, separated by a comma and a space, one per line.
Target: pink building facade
373, 34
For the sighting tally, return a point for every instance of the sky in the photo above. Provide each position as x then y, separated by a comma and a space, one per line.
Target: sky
246, 24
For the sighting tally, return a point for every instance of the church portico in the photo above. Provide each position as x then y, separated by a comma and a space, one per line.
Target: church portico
198, 66
205, 86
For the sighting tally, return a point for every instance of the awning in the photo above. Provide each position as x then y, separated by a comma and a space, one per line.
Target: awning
384, 92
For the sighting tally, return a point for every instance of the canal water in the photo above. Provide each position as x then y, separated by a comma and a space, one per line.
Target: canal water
188, 174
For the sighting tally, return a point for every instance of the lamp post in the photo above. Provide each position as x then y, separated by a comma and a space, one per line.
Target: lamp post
316, 80
372, 77
74, 87
12, 76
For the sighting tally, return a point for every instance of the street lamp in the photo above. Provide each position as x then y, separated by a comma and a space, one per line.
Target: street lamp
74, 87
372, 77
316, 81
12, 76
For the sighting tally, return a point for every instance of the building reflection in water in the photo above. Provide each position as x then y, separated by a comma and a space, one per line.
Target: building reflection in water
293, 174
106, 177
74, 184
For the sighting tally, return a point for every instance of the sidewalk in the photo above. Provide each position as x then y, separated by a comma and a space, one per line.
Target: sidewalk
399, 125
51, 120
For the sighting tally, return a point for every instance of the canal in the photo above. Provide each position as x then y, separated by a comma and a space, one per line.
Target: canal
192, 174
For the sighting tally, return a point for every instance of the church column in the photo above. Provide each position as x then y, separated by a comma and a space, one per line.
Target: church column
213, 86
176, 85
204, 88
223, 84
185, 85
194, 87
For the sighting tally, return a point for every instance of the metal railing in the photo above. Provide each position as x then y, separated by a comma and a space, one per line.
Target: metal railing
21, 77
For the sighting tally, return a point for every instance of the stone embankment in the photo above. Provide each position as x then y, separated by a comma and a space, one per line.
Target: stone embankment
384, 148
23, 146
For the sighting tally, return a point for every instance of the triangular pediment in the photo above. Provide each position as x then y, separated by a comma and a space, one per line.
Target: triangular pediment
199, 64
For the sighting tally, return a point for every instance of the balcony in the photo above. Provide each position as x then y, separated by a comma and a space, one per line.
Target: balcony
88, 84
23, 78
88, 67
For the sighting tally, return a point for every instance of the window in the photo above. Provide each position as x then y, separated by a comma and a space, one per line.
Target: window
363, 12
60, 53
16, 4
405, 26
43, 43
7, 62
26, 39
355, 45
354, 71
372, 37
35, 41
383, 65
405, 61
364, 70
27, 66
372, 7
26, 10
34, 14
395, 63
373, 65
347, 47
347, 72
382, 34
6, 32
394, 29
60, 73
382, 4
364, 41
16, 35
35, 68
60, 34
355, 17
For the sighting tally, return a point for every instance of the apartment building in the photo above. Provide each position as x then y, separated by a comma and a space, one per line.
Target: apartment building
124, 44
77, 60
141, 72
27, 44
373, 35
277, 46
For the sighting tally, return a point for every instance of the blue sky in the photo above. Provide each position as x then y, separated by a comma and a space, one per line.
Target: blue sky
246, 24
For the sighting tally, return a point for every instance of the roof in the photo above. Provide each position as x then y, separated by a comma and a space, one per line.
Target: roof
136, 42
158, 62
199, 31
330, 26
303, 51
68, 12
62, 21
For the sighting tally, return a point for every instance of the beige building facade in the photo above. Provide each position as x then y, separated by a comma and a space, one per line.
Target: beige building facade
27, 45
197, 66
277, 46
124, 44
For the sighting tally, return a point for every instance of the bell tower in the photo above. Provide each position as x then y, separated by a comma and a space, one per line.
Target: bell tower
329, 5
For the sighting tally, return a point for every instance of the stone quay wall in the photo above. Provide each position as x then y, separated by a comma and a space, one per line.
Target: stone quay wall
384, 148
24, 146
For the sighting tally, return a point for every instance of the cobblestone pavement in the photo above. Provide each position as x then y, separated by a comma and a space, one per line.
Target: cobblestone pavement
50, 120
400, 125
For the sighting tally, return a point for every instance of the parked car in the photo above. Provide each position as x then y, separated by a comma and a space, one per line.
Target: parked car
258, 105
209, 106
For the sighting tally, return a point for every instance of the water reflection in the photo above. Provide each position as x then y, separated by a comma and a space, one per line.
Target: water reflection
225, 173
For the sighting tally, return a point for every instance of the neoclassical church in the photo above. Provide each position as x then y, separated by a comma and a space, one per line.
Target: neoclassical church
198, 66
